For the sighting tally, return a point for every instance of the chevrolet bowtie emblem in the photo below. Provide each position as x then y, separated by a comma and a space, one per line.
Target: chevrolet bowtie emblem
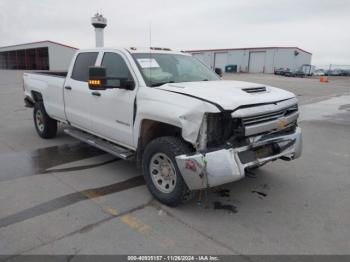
281, 123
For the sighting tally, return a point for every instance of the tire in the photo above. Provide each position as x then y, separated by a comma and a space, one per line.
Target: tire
45, 126
168, 148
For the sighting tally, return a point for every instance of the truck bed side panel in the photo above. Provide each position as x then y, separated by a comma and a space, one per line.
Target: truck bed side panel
51, 89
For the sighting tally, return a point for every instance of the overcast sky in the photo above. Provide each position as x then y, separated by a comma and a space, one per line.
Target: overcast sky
320, 27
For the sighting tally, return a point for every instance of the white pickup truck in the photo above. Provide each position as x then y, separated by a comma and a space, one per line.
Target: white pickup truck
188, 129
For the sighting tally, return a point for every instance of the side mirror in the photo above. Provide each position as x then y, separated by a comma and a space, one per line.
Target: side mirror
125, 83
99, 81
97, 78
218, 71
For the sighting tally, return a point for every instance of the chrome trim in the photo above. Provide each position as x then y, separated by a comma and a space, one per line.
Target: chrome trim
270, 116
264, 109
271, 125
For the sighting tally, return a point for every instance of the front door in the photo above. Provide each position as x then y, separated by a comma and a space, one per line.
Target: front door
113, 109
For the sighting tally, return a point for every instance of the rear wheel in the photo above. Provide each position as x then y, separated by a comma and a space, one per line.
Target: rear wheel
161, 173
45, 126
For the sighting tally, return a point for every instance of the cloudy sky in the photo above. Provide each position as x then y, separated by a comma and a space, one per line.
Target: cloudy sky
318, 26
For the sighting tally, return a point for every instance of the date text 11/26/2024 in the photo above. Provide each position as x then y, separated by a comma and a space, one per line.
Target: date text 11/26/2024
174, 258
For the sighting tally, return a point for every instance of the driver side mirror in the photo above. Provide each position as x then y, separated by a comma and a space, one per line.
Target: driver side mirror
218, 71
99, 81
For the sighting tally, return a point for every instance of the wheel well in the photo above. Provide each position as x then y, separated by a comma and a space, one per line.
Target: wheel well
150, 130
37, 97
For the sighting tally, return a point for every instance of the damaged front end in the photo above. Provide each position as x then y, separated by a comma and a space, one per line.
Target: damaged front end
230, 142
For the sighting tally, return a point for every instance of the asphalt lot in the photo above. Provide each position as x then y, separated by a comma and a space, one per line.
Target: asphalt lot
62, 197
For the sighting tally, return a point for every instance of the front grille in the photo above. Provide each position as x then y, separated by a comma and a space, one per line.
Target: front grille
253, 120
255, 89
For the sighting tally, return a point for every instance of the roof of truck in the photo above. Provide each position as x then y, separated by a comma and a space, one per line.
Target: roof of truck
135, 50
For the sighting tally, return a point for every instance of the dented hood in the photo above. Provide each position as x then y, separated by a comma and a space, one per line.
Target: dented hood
228, 94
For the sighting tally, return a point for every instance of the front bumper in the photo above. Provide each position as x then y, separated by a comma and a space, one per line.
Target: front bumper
203, 170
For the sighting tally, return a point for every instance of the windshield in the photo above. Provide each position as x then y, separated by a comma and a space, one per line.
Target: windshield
159, 69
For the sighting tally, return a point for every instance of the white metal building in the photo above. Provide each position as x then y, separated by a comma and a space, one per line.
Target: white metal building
254, 60
44, 55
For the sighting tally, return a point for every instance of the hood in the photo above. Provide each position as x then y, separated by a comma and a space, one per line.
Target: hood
229, 94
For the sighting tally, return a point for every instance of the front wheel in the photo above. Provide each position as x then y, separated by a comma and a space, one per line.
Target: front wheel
161, 173
45, 126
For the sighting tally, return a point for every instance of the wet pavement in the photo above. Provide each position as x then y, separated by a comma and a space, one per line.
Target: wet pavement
60, 196
335, 109
39, 161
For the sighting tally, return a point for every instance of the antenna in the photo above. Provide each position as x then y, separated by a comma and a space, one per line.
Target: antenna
150, 35
150, 54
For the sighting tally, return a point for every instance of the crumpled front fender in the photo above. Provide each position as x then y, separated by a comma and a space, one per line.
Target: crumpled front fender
191, 120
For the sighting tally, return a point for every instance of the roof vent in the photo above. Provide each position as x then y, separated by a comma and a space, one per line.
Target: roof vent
260, 89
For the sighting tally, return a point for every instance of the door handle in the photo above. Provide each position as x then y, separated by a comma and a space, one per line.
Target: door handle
95, 93
68, 87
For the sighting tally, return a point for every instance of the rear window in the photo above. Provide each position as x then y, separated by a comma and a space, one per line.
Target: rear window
81, 66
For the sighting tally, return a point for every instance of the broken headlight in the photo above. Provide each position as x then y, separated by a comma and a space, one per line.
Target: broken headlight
220, 127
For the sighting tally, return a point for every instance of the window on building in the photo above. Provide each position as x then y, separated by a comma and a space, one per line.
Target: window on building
25, 59
21, 59
32, 59
2, 60
43, 58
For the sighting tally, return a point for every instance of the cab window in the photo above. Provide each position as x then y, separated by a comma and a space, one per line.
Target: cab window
115, 66
82, 64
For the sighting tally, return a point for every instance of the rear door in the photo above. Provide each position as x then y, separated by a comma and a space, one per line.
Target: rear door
113, 110
77, 95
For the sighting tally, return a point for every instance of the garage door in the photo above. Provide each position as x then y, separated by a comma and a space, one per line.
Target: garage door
256, 62
205, 58
221, 60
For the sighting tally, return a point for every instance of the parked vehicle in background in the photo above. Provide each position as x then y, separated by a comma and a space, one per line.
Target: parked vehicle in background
288, 73
319, 72
281, 71
299, 73
304, 70
340, 72
307, 69
328, 72
333, 72
184, 126
347, 72
294, 73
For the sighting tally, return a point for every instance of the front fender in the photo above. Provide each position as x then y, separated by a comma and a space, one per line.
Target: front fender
171, 108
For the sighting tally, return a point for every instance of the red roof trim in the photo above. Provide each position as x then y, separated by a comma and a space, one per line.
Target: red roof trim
249, 48
39, 42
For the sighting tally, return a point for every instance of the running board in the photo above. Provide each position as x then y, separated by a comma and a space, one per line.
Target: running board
92, 140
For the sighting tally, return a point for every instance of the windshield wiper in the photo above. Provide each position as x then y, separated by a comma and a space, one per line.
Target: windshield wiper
161, 83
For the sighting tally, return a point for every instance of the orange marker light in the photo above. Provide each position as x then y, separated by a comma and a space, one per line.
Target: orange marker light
95, 82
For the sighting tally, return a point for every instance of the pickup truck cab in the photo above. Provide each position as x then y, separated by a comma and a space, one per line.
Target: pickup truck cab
188, 129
